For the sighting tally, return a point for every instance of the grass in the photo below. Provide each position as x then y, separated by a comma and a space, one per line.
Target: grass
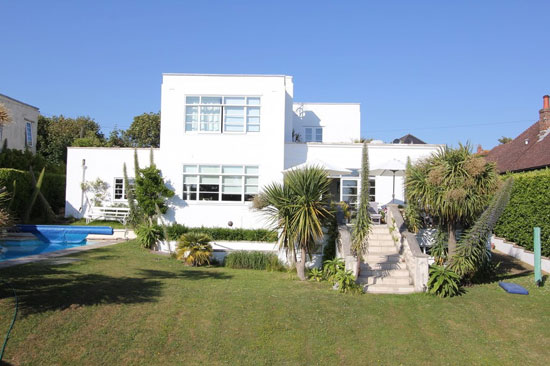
122, 305
113, 224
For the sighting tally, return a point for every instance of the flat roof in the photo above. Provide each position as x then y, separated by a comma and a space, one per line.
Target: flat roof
329, 103
228, 75
18, 101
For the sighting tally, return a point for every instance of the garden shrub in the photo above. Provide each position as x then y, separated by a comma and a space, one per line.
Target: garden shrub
149, 235
443, 282
23, 160
194, 249
243, 259
529, 206
177, 230
53, 189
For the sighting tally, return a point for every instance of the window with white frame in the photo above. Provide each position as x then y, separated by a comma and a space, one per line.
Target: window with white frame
28, 134
237, 183
350, 191
222, 114
119, 188
314, 134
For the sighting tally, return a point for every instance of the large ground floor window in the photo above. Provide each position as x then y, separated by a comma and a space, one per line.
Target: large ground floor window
237, 183
350, 190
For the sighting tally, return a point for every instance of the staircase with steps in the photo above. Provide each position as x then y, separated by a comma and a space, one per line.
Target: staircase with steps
384, 270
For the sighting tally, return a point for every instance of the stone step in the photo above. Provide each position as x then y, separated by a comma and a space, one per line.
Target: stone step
400, 272
390, 280
383, 257
381, 242
375, 249
382, 229
383, 266
388, 289
372, 237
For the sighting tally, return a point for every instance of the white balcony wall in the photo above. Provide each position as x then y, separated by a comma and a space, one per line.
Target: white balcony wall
341, 122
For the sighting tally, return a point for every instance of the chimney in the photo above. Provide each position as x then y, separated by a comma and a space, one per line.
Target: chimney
544, 113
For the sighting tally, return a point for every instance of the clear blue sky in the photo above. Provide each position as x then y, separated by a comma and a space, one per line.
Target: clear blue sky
443, 71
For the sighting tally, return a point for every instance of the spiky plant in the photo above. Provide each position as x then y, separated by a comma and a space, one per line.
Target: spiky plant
5, 117
452, 185
363, 222
194, 249
473, 253
297, 208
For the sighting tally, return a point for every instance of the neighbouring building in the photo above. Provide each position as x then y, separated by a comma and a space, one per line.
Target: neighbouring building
530, 150
408, 139
20, 133
223, 137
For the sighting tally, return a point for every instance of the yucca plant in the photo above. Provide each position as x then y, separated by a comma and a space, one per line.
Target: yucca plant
345, 280
149, 235
331, 267
194, 249
316, 274
443, 282
453, 185
298, 208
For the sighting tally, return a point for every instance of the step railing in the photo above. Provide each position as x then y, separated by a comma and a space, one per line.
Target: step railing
408, 246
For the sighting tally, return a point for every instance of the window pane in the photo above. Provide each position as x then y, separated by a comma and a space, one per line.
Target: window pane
349, 190
234, 119
251, 189
309, 134
192, 100
234, 100
191, 127
191, 114
190, 179
253, 101
253, 112
253, 128
232, 189
210, 118
232, 197
228, 169
251, 180
210, 179
211, 100
251, 169
208, 196
209, 169
190, 168
319, 135
232, 180
349, 183
209, 188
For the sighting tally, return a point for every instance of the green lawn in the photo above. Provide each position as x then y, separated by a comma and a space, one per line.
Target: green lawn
122, 305
113, 224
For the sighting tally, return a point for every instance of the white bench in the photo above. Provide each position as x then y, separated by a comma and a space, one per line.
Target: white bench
108, 214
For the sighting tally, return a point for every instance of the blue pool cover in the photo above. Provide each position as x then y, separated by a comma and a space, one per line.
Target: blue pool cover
64, 233
513, 288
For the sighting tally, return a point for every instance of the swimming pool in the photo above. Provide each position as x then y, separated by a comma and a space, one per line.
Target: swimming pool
11, 249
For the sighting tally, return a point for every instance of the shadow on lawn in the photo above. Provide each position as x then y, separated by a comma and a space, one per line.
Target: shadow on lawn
41, 288
187, 274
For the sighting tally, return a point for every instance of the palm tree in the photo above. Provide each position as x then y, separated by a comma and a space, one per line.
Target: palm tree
194, 249
298, 207
5, 117
453, 186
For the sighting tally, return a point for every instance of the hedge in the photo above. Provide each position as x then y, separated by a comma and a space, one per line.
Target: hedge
216, 233
53, 188
529, 206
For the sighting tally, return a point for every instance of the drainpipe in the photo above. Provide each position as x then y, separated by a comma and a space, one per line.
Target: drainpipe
81, 188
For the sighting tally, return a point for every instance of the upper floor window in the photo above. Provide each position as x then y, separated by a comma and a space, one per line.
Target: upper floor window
222, 114
314, 134
28, 134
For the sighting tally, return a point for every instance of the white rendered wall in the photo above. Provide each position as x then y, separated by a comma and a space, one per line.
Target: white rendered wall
14, 131
264, 148
340, 122
349, 156
104, 163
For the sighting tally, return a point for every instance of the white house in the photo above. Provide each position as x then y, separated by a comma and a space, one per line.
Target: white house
20, 133
223, 137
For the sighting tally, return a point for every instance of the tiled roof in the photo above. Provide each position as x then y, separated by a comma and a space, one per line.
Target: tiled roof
409, 139
518, 155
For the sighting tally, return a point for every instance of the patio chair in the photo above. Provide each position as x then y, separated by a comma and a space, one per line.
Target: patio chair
374, 213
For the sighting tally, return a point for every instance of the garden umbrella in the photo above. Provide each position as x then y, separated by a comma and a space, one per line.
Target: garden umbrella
330, 168
391, 168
